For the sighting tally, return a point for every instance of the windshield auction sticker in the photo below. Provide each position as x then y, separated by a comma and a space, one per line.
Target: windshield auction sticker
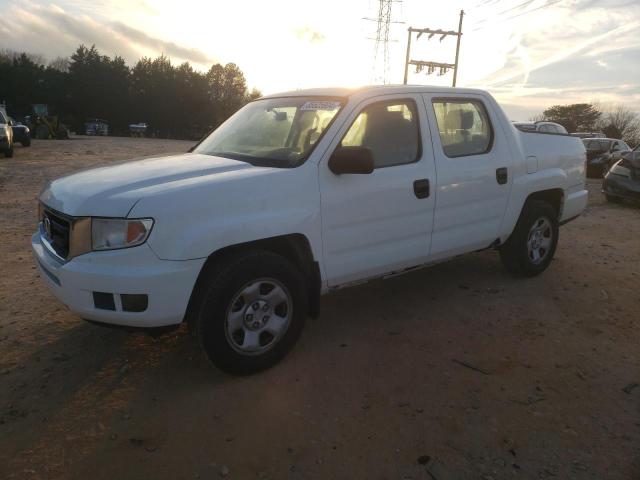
320, 106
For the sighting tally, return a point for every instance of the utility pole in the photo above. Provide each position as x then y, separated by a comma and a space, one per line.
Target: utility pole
455, 70
433, 66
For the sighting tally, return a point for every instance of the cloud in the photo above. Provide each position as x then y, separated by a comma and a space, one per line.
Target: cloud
576, 51
52, 32
168, 48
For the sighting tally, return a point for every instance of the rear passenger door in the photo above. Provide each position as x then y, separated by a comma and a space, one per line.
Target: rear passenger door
379, 222
474, 172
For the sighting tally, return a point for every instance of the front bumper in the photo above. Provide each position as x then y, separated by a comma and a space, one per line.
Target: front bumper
167, 284
622, 187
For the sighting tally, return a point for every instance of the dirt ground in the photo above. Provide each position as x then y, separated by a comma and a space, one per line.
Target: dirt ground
379, 387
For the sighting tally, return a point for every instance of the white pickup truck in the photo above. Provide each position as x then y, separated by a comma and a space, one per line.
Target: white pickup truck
298, 194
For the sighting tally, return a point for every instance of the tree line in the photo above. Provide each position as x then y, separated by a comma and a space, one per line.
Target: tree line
174, 101
615, 121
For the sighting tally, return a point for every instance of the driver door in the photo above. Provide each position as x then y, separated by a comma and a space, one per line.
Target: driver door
379, 222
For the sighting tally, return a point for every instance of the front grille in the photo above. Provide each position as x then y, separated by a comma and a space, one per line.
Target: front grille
56, 230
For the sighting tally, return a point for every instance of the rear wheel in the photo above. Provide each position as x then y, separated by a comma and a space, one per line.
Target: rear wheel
26, 142
249, 311
530, 248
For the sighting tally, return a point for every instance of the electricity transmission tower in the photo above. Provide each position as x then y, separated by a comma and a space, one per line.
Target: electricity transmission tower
383, 26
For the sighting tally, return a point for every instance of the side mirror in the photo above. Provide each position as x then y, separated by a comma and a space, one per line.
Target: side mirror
351, 160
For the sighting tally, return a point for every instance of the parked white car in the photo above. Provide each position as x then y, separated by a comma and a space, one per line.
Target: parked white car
298, 194
541, 127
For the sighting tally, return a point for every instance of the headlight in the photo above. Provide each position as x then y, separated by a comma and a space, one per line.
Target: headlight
618, 169
112, 233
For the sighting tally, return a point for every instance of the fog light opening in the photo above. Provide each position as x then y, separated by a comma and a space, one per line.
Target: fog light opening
134, 302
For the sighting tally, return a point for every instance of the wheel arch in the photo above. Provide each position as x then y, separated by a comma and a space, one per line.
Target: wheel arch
295, 247
553, 196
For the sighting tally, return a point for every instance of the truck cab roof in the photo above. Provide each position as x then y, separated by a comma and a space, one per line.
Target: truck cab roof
372, 90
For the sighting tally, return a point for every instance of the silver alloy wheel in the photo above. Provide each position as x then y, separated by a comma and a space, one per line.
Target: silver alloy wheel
258, 316
539, 240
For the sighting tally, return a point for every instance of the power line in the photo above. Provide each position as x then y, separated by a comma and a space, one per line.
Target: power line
553, 2
523, 4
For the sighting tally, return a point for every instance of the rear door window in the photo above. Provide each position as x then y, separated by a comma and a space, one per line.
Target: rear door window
464, 126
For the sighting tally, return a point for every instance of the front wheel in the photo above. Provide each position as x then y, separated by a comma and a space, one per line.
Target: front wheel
530, 248
8, 153
249, 311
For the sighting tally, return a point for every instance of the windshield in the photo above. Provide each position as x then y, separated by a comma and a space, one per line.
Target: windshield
278, 132
599, 145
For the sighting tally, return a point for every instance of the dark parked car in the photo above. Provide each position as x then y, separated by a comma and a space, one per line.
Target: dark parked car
21, 133
602, 153
623, 179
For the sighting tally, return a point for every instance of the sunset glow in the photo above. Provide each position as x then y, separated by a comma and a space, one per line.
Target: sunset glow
529, 54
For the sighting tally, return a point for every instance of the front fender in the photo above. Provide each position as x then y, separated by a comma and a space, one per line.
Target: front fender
195, 222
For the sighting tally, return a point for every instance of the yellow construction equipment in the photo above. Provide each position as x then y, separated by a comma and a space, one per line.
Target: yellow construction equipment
44, 126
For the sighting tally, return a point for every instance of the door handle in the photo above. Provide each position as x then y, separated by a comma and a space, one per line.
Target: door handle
502, 175
421, 188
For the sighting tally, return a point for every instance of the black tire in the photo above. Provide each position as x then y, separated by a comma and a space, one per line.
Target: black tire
8, 153
515, 254
26, 142
216, 290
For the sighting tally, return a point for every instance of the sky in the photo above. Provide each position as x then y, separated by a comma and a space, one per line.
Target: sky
529, 54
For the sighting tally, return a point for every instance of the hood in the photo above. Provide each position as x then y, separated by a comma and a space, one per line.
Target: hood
113, 190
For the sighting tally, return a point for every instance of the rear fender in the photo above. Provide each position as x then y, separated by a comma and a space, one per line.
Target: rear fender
523, 187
